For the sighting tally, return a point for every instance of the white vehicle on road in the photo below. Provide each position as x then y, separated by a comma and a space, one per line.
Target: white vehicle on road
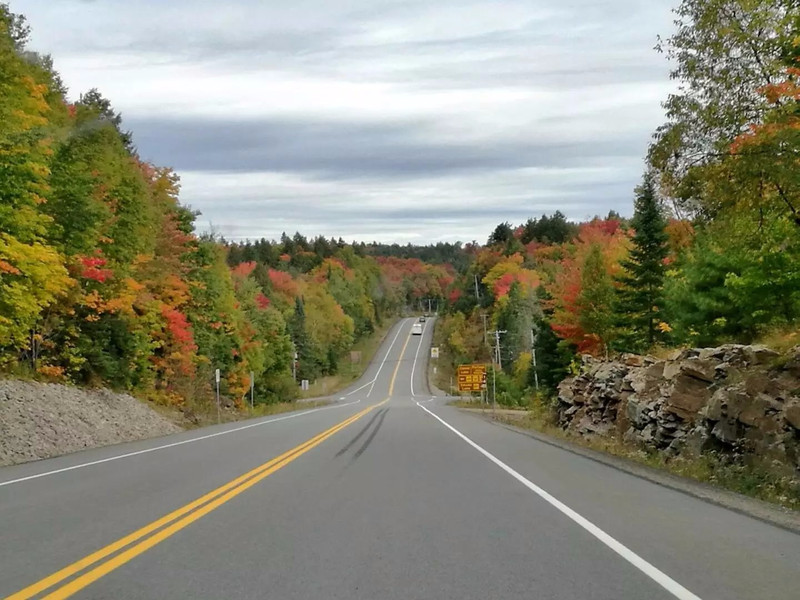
416, 329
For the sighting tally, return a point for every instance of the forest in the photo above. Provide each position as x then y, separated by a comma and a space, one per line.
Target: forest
712, 253
104, 280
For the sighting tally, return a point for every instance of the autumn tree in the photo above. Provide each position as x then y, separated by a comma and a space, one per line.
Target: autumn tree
724, 52
596, 299
32, 274
571, 303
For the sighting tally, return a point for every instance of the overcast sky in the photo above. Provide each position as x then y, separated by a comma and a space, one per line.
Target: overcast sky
390, 120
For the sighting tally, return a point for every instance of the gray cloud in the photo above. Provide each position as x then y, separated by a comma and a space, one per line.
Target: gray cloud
403, 120
349, 150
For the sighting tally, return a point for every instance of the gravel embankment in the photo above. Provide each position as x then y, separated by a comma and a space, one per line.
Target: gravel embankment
42, 420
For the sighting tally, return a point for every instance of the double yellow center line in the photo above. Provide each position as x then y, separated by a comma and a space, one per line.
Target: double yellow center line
169, 524
172, 523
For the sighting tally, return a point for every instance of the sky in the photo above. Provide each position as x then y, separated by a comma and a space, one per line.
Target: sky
387, 120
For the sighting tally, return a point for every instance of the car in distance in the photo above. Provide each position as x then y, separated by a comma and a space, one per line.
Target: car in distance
422, 319
416, 329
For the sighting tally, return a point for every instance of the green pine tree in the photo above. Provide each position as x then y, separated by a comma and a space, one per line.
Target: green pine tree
640, 294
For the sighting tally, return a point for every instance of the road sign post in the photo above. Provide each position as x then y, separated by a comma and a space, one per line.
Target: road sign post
252, 390
216, 379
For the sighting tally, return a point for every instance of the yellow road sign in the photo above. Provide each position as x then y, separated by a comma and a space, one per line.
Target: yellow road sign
471, 378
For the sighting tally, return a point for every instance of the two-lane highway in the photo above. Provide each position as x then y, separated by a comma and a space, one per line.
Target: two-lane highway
384, 494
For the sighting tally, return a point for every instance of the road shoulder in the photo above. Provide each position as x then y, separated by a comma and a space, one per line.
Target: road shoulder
763, 511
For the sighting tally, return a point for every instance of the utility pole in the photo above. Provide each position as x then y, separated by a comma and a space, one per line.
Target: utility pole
499, 359
533, 356
294, 362
498, 362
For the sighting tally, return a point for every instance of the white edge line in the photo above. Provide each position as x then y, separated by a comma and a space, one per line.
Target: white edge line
416, 355
202, 437
661, 578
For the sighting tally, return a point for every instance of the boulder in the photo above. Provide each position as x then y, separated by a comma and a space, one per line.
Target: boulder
655, 371
792, 414
671, 369
632, 360
708, 353
793, 362
675, 446
637, 413
759, 382
727, 431
697, 441
699, 369
565, 393
637, 381
754, 411
736, 400
687, 396
648, 434
760, 355
713, 410
608, 372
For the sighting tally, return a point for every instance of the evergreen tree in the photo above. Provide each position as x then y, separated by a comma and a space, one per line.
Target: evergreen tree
501, 235
640, 295
553, 357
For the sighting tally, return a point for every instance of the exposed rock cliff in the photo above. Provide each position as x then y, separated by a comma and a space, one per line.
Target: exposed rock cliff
742, 401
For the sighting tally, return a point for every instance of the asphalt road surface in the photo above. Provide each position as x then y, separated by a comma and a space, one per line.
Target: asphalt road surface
386, 494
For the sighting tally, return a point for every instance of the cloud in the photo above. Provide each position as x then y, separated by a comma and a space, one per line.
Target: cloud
341, 150
387, 119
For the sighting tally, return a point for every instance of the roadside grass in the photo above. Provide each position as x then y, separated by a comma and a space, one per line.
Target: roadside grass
748, 480
469, 404
348, 370
781, 339
205, 413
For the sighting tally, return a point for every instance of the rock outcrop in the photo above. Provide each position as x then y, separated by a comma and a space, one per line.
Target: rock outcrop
40, 420
742, 401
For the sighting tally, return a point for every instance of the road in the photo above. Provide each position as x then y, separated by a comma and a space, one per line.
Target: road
385, 494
